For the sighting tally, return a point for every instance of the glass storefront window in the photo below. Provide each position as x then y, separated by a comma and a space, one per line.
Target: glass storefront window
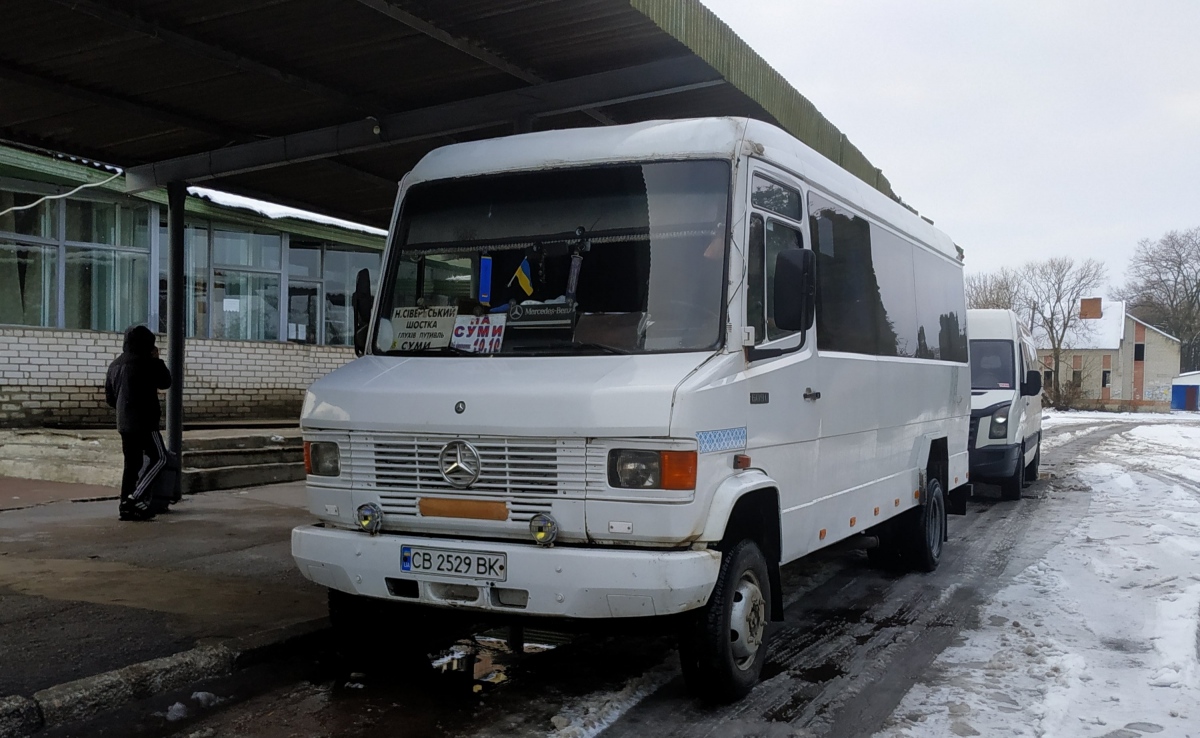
245, 306
106, 289
108, 224
195, 279
304, 259
240, 248
341, 274
27, 284
36, 221
302, 311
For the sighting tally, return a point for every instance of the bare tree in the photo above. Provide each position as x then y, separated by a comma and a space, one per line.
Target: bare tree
1163, 289
1004, 289
1055, 287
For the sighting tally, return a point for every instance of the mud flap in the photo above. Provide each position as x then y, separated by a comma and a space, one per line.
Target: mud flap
956, 500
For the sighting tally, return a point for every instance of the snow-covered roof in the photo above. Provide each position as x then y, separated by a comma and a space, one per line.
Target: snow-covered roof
274, 211
1104, 332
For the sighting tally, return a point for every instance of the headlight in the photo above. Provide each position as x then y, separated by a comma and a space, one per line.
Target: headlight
321, 459
638, 469
999, 428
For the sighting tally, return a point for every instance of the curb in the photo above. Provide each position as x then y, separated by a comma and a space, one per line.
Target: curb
86, 698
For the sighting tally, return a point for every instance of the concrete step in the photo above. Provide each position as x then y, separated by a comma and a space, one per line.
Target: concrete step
231, 477
214, 458
107, 474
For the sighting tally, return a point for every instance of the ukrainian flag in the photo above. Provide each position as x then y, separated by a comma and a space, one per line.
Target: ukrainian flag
523, 277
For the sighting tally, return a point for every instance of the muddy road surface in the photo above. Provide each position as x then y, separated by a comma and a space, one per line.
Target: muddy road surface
853, 641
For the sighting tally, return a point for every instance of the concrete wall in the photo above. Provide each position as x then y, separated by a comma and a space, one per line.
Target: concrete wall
1161, 367
51, 377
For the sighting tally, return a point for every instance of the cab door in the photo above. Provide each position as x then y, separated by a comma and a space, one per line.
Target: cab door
783, 425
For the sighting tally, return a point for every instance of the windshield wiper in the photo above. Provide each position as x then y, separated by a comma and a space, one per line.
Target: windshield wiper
452, 350
602, 347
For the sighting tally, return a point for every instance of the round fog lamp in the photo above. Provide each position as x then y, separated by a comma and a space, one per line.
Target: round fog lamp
370, 517
543, 528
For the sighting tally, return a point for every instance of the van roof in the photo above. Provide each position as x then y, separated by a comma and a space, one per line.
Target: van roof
695, 138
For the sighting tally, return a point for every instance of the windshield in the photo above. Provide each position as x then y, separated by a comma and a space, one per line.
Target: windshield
611, 259
991, 365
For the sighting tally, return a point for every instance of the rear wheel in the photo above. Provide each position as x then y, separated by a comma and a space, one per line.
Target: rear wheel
927, 528
1031, 471
1010, 489
722, 647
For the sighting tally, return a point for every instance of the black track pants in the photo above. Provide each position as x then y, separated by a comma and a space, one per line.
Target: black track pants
144, 459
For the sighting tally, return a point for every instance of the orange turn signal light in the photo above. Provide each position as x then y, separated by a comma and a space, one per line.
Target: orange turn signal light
678, 469
308, 457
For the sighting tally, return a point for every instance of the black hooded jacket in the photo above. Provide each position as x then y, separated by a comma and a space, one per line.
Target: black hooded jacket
133, 382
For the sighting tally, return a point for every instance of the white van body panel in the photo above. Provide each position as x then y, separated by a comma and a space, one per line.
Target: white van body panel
838, 464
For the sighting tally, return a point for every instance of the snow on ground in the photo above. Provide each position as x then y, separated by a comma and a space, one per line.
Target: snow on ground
1052, 418
1099, 638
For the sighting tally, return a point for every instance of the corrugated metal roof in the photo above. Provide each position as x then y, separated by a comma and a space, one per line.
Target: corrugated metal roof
137, 81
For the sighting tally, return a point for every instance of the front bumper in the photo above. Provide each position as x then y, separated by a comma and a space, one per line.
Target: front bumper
565, 582
995, 462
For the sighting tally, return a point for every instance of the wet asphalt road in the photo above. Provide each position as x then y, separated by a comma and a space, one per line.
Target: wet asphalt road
853, 642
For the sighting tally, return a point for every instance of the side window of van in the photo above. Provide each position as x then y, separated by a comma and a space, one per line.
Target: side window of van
769, 237
848, 301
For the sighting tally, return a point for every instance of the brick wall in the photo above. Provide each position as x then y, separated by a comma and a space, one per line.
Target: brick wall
52, 377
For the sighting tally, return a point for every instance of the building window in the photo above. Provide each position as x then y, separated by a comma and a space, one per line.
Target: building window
108, 224
245, 306
1048, 378
38, 221
28, 284
106, 289
341, 274
1139, 352
1076, 378
1105, 378
195, 278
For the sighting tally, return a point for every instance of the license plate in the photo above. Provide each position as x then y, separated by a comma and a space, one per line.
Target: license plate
448, 562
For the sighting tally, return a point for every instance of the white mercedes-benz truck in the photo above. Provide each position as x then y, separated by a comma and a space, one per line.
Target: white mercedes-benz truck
630, 372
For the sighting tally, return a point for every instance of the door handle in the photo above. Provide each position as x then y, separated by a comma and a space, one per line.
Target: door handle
810, 395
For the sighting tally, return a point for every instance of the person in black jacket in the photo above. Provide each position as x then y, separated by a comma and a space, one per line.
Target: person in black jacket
132, 386
360, 301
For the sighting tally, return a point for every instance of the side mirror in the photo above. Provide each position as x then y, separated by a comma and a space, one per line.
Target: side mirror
1032, 386
794, 289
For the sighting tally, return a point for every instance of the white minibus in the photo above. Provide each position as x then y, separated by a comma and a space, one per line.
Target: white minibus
1006, 402
629, 372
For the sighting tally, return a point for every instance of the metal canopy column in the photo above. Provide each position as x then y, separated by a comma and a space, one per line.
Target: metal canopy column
176, 333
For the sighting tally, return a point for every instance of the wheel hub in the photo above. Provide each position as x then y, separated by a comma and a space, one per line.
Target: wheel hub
747, 621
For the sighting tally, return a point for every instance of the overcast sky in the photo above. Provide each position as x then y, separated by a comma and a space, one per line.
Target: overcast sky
1024, 128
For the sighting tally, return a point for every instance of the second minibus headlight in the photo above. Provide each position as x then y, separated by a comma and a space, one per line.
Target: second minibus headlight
321, 458
639, 469
999, 427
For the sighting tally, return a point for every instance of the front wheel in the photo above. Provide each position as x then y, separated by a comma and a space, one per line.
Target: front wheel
1010, 489
1031, 471
722, 647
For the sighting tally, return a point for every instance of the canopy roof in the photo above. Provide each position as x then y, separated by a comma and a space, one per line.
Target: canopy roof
325, 104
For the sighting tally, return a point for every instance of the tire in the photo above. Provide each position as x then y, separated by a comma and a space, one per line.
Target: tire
1031, 471
1010, 489
722, 647
927, 528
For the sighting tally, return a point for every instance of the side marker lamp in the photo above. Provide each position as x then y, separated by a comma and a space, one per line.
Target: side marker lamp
369, 517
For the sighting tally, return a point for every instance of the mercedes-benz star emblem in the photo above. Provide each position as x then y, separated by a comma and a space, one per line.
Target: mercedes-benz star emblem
459, 464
